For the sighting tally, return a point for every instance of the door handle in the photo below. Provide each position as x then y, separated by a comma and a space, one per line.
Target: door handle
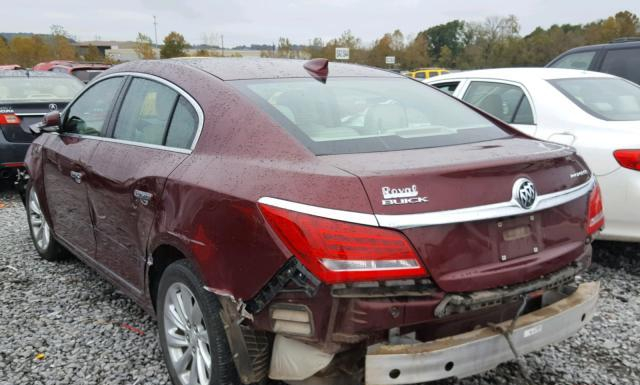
76, 176
142, 196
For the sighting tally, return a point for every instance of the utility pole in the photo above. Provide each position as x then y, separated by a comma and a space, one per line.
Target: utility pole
155, 27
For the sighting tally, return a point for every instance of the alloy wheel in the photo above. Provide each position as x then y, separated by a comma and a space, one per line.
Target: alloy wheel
39, 227
186, 334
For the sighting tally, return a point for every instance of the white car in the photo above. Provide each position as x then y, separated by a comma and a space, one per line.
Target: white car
597, 113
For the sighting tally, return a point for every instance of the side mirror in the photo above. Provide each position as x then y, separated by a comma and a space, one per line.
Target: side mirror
50, 123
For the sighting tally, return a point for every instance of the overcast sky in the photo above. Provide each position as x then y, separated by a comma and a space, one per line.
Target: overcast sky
262, 22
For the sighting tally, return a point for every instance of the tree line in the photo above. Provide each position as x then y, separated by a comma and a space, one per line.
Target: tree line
494, 42
30, 50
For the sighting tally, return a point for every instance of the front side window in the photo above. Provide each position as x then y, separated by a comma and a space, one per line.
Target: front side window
576, 61
88, 114
624, 63
355, 115
504, 101
604, 98
145, 112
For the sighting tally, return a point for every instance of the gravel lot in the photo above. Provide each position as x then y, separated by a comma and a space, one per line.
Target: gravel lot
60, 323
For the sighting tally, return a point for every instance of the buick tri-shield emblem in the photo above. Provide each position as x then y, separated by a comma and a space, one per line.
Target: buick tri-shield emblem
524, 192
53, 107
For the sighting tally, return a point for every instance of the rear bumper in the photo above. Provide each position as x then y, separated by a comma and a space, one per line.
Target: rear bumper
482, 349
12, 154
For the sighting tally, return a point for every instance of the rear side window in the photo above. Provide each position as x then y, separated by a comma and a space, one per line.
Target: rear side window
604, 98
449, 87
420, 75
145, 112
354, 115
88, 114
433, 74
576, 61
184, 125
624, 63
506, 102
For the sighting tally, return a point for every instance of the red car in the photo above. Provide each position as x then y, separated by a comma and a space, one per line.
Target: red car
315, 222
46, 66
83, 71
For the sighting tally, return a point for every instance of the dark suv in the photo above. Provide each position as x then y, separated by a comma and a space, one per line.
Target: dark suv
621, 57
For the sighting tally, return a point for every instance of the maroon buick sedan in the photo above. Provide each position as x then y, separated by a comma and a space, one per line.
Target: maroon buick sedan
315, 222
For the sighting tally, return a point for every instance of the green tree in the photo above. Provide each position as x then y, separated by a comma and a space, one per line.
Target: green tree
174, 46
5, 53
93, 54
315, 49
415, 54
446, 57
28, 51
60, 44
449, 35
144, 47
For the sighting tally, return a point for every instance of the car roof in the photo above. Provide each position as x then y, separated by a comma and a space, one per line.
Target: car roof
611, 45
32, 74
521, 74
262, 68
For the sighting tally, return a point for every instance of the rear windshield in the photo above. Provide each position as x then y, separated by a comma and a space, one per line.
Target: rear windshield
356, 115
86, 75
604, 98
38, 89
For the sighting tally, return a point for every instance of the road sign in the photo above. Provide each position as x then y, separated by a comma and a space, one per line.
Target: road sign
342, 53
390, 59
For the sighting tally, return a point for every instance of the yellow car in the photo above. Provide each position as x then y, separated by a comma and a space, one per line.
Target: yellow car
427, 73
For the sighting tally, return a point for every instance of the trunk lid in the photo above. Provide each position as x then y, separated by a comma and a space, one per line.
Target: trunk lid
29, 113
481, 254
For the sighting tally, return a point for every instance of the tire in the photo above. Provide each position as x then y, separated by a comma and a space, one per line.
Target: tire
41, 235
180, 284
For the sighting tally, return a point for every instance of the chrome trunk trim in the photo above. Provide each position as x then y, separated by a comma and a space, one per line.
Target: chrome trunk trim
468, 214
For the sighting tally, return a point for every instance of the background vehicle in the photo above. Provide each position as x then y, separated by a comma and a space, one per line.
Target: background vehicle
46, 66
10, 67
83, 71
294, 219
25, 96
427, 73
596, 113
621, 57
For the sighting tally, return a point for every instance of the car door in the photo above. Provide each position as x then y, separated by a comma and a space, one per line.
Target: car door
151, 135
623, 62
507, 101
65, 164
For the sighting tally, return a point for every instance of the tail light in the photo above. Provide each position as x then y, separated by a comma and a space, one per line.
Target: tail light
336, 251
628, 158
9, 119
595, 219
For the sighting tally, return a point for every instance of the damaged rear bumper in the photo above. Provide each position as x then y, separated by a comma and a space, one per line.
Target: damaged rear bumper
482, 349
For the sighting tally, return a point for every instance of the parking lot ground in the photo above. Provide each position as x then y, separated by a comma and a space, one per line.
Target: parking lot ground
61, 323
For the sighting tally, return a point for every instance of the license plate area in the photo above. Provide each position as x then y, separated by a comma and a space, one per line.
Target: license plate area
519, 236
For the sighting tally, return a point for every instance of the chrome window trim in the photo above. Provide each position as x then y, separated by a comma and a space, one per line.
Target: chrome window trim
162, 81
469, 214
128, 142
340, 215
32, 113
